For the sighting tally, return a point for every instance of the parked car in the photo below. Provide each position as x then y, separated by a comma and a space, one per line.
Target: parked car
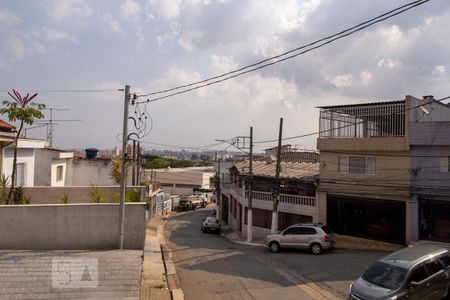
417, 272
210, 224
315, 237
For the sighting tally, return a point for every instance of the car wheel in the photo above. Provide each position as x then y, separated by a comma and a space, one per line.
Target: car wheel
316, 248
274, 247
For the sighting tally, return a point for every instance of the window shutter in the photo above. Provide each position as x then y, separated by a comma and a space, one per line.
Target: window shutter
343, 164
371, 163
444, 164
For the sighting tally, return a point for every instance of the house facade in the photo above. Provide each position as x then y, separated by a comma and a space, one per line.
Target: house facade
376, 163
37, 165
297, 197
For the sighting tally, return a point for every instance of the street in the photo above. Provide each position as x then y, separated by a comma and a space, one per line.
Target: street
211, 267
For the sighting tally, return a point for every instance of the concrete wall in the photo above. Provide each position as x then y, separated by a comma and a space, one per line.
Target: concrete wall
77, 194
70, 227
86, 172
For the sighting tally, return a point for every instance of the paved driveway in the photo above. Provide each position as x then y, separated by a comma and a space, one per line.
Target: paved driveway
70, 274
211, 267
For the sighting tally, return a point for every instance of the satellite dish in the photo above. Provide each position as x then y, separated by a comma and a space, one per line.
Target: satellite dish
425, 111
273, 157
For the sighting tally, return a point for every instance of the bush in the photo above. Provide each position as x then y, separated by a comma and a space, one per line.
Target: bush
97, 195
64, 199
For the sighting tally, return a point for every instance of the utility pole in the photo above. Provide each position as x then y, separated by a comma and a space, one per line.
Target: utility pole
276, 187
133, 170
218, 188
123, 172
138, 166
250, 191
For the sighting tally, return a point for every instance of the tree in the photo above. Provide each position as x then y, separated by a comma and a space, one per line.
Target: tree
25, 112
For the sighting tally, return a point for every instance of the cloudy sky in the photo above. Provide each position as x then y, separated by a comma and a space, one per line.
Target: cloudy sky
157, 44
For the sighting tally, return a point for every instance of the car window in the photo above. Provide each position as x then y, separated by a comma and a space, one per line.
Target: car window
418, 274
327, 229
433, 267
385, 275
307, 230
292, 230
445, 260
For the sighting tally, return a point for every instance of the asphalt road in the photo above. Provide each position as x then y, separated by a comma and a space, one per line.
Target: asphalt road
211, 267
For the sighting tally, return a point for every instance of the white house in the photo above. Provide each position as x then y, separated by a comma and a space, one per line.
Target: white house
37, 165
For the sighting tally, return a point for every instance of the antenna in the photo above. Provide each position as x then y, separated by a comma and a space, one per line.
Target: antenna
51, 122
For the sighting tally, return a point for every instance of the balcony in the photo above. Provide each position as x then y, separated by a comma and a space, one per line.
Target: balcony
364, 127
288, 199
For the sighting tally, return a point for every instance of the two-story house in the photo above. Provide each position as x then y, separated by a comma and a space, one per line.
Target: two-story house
297, 200
377, 161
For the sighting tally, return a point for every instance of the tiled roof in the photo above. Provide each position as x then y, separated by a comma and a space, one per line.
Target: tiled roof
288, 169
6, 126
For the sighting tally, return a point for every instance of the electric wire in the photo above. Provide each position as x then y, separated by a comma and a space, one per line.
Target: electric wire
240, 71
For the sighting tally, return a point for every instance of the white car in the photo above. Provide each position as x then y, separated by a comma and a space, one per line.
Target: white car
315, 237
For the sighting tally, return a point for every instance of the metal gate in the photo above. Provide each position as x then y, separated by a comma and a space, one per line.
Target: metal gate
434, 220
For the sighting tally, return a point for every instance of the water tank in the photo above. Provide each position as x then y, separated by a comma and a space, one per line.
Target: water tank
91, 153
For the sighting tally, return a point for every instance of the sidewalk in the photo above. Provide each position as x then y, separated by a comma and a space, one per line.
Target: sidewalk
154, 285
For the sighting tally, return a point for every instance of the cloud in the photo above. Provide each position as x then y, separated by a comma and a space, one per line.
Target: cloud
189, 39
389, 63
130, 9
55, 35
65, 10
366, 78
342, 80
439, 70
168, 9
8, 19
112, 23
16, 47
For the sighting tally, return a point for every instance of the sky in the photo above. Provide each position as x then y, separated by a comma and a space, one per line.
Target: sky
91, 49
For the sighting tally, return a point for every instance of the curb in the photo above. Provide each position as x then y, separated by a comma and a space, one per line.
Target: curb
176, 293
241, 242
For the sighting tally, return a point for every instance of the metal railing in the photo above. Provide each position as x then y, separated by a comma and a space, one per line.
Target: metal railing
290, 199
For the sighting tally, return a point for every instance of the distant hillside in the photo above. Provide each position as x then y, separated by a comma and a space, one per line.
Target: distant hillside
158, 162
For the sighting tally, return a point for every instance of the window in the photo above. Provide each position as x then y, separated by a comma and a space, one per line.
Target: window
445, 260
433, 267
307, 231
418, 275
444, 164
20, 174
385, 275
357, 164
59, 173
292, 231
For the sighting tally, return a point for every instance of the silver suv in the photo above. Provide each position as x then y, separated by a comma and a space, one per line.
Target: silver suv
316, 237
417, 272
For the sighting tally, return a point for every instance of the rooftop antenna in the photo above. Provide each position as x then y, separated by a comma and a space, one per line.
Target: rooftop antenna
50, 122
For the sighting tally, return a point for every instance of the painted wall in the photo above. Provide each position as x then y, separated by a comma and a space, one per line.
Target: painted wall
25, 156
89, 172
70, 227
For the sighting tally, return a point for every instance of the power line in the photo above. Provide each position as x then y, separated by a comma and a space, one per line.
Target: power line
73, 91
263, 64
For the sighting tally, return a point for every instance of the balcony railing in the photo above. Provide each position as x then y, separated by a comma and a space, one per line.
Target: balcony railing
290, 199
363, 121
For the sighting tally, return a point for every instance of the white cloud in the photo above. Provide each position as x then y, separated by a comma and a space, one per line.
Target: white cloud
16, 47
389, 63
189, 39
69, 9
342, 80
55, 35
439, 70
366, 77
130, 9
169, 9
8, 18
112, 23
